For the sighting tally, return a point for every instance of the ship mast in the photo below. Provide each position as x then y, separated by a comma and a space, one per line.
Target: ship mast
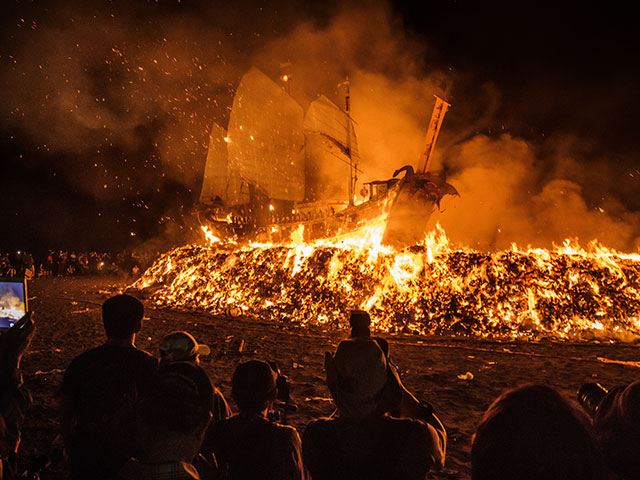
352, 174
439, 110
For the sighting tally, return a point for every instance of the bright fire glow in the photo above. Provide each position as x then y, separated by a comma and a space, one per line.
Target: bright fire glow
567, 292
209, 236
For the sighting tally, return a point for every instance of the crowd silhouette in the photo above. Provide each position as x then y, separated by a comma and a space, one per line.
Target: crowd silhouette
127, 415
62, 263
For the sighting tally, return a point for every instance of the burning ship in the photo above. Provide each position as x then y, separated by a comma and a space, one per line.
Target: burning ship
271, 174
262, 180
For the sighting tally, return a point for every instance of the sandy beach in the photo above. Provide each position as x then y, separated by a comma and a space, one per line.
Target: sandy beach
460, 376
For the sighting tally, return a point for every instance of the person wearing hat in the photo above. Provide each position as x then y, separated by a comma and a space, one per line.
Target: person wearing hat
248, 446
182, 347
362, 441
360, 323
99, 391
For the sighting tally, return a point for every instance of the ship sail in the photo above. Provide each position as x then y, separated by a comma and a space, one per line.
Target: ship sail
331, 147
265, 140
214, 184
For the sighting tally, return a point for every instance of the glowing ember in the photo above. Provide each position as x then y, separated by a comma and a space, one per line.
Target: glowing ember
565, 293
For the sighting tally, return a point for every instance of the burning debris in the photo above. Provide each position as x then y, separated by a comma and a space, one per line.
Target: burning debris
566, 293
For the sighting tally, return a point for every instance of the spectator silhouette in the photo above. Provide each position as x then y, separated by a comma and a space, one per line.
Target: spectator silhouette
14, 397
181, 347
617, 428
363, 441
99, 391
533, 433
248, 446
360, 323
172, 417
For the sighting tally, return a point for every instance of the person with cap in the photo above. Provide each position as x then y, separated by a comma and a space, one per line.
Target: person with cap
172, 416
99, 391
182, 347
248, 446
362, 440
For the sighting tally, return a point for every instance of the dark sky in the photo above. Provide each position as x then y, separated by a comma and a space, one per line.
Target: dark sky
105, 107
578, 60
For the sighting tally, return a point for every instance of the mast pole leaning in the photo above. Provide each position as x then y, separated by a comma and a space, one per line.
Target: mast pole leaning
439, 110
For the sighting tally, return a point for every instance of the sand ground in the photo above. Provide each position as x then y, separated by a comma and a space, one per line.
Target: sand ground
459, 376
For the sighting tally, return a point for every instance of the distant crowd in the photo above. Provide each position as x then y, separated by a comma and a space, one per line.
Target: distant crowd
58, 263
128, 415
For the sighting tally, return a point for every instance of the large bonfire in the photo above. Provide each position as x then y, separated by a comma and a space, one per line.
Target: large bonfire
567, 292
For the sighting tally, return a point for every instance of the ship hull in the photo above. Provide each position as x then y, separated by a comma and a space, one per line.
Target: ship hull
402, 210
408, 218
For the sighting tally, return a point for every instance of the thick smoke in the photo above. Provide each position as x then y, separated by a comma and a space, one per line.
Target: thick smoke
507, 196
129, 95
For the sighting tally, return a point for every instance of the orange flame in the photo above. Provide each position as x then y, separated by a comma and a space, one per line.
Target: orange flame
564, 293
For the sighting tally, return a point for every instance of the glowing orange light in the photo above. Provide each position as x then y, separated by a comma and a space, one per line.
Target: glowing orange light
567, 292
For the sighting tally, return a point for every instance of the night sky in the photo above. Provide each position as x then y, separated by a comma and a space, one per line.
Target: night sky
106, 108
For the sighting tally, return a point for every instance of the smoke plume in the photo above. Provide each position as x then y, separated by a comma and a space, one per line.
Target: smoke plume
121, 99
